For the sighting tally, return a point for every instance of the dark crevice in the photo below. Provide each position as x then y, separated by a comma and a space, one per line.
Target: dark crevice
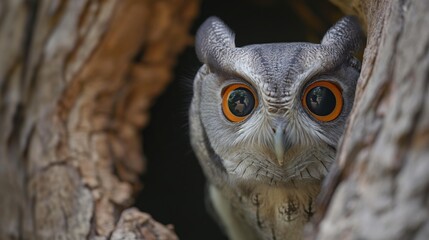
174, 183
32, 7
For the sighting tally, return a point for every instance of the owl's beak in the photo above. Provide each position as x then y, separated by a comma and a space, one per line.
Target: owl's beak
281, 145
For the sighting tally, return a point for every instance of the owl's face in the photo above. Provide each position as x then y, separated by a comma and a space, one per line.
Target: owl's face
271, 113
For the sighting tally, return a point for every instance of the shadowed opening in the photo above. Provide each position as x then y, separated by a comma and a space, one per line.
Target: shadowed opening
174, 185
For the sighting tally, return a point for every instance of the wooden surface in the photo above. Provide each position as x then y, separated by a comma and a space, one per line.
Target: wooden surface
381, 179
77, 79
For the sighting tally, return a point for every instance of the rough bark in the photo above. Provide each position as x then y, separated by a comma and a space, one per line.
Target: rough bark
76, 80
380, 187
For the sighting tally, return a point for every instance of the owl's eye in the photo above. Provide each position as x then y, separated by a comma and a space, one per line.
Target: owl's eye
238, 102
323, 100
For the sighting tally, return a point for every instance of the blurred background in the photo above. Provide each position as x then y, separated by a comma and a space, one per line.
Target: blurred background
174, 185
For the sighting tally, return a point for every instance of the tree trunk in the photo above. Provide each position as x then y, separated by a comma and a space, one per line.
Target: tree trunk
76, 80
380, 187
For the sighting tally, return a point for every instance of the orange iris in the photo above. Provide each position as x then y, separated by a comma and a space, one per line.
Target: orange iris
238, 102
323, 100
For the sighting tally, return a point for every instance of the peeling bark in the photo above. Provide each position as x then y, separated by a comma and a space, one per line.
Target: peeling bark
77, 78
137, 225
379, 189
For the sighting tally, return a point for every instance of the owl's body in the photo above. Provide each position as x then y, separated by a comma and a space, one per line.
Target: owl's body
265, 123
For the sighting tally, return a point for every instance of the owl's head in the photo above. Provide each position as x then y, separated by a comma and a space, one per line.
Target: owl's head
272, 113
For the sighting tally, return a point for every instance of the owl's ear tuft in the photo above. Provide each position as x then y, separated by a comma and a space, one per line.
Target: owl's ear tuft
213, 41
346, 35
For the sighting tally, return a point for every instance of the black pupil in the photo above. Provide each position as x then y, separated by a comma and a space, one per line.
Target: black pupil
241, 102
320, 101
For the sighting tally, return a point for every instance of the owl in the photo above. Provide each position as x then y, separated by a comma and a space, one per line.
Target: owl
265, 122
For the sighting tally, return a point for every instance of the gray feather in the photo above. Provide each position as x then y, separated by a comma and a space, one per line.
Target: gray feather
214, 43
